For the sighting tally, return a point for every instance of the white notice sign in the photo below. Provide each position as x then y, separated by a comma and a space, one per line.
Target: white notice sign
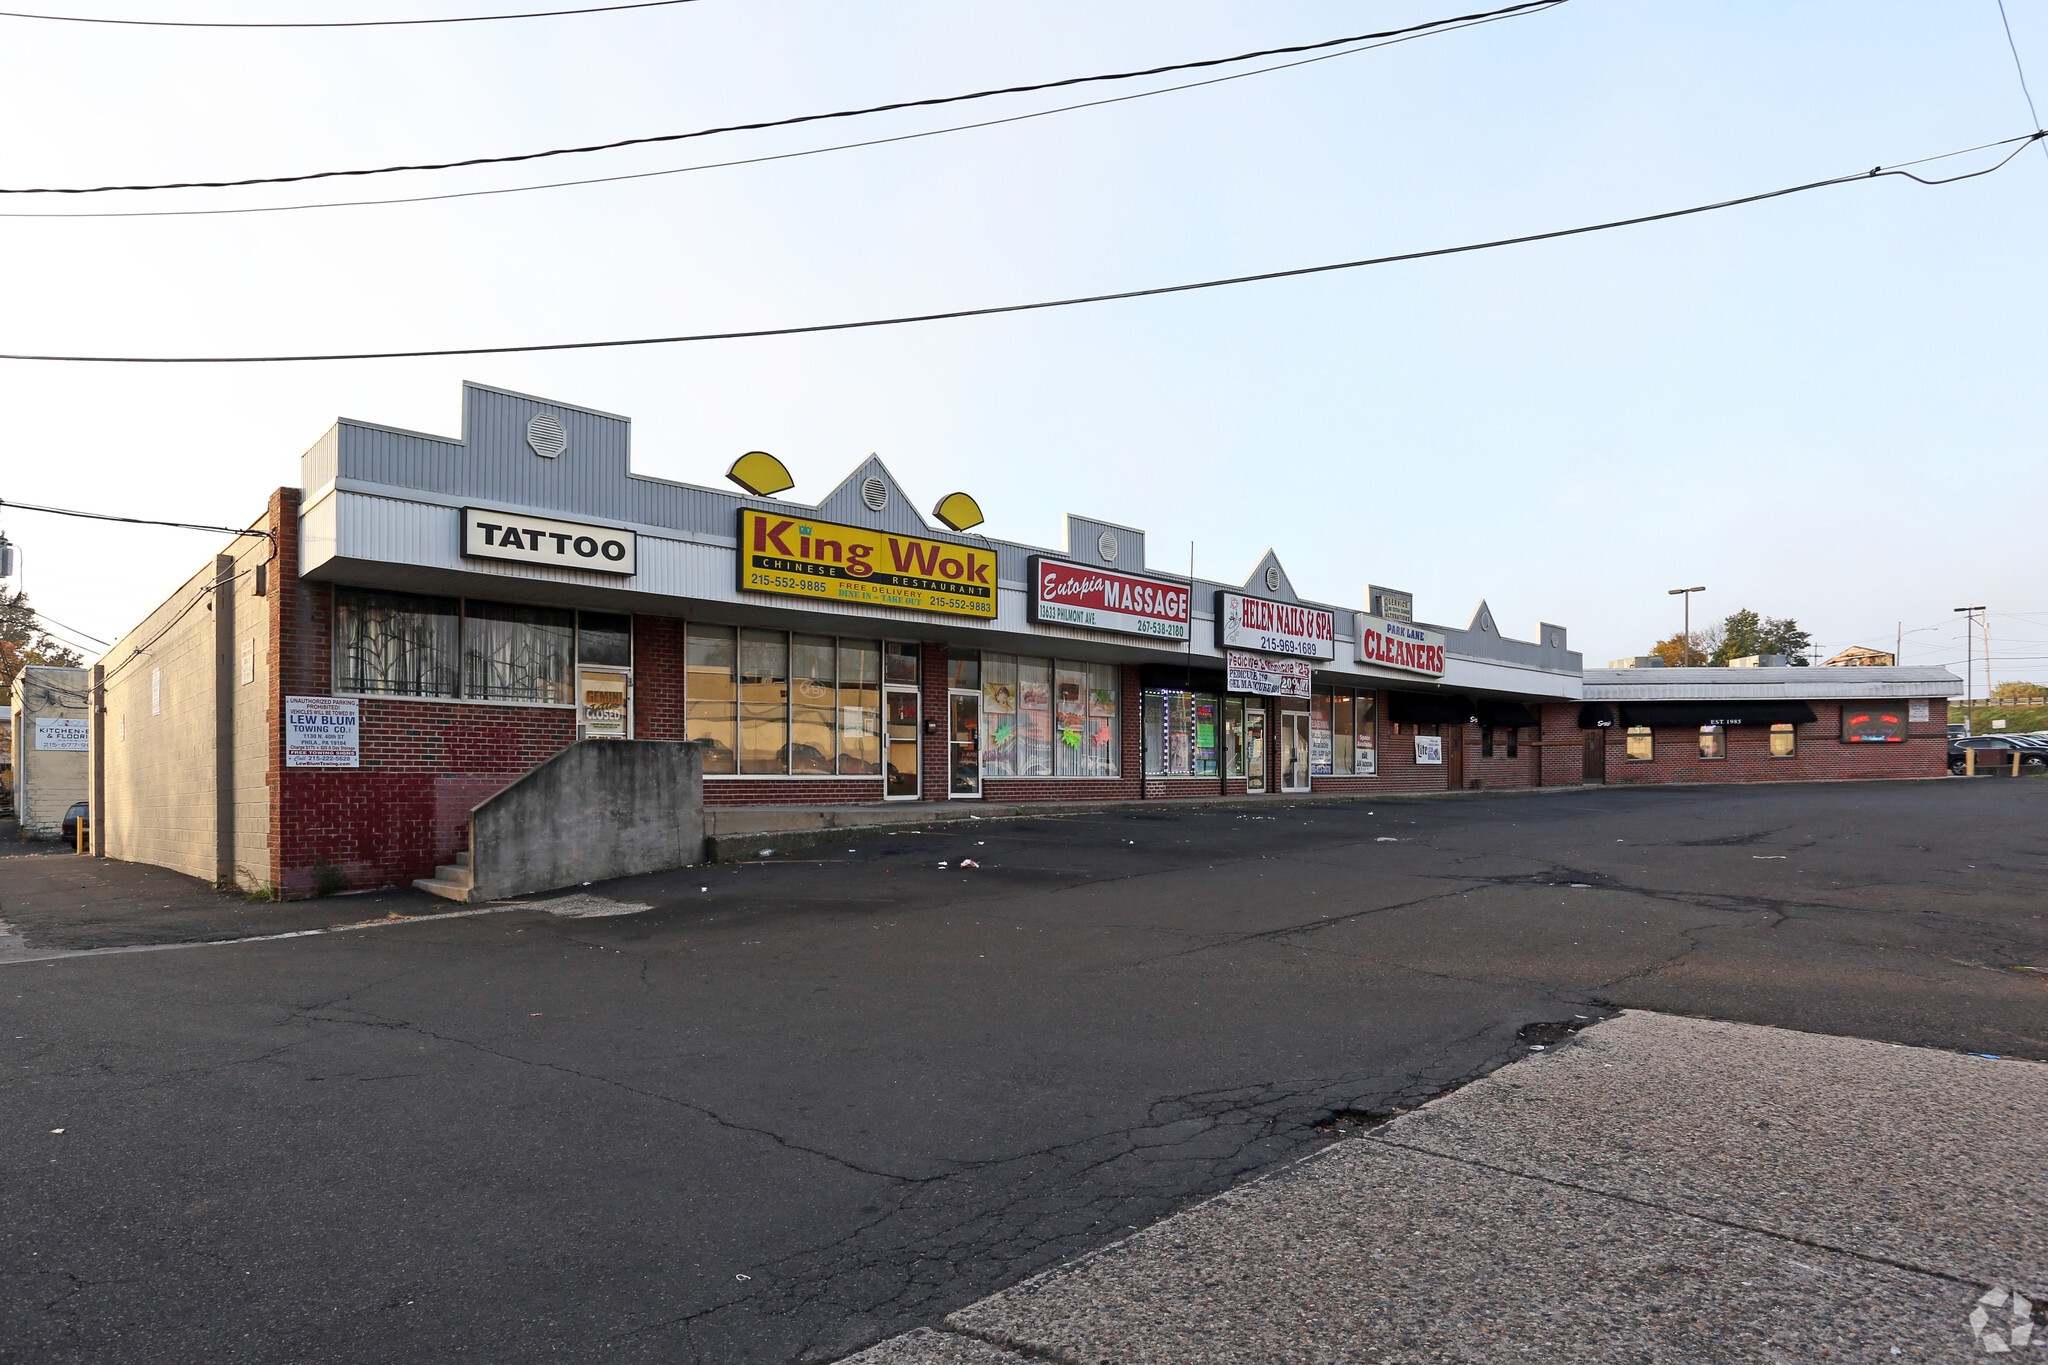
1429, 748
322, 732
65, 734
1918, 711
1264, 677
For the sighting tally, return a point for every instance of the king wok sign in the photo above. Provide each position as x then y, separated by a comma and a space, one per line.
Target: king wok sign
798, 556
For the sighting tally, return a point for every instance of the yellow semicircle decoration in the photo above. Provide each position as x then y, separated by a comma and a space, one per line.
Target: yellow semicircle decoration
959, 511
760, 474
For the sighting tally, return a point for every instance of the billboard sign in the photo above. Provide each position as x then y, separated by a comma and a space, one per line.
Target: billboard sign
1064, 594
799, 556
1274, 627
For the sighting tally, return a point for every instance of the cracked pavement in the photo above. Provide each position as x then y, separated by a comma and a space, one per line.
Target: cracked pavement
834, 1097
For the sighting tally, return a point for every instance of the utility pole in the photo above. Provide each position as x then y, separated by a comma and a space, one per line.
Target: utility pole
1686, 593
1969, 676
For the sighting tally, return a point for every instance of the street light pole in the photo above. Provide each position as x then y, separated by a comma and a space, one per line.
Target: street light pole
1686, 593
1969, 674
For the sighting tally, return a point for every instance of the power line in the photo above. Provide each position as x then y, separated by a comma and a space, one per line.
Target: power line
1875, 172
783, 156
342, 23
2019, 67
138, 521
1527, 6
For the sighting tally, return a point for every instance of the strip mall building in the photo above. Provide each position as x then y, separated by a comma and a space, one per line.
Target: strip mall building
426, 619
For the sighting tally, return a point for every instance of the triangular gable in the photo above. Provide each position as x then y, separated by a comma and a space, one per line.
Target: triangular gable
1482, 620
850, 505
1275, 585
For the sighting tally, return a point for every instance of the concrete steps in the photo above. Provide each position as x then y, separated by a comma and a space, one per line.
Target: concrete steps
455, 881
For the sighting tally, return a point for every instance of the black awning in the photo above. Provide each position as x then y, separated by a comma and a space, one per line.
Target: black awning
1429, 708
1509, 715
1596, 715
1179, 678
1696, 713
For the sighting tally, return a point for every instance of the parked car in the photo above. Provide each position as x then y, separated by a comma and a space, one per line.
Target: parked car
79, 811
2031, 755
1957, 729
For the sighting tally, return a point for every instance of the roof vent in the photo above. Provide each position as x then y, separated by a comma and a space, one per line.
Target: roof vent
547, 436
1272, 578
874, 493
1105, 545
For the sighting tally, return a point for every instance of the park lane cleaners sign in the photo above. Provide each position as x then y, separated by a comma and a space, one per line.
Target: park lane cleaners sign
1397, 644
542, 540
1101, 599
822, 560
1274, 627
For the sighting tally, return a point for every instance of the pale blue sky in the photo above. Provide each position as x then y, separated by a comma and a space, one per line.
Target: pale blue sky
1763, 400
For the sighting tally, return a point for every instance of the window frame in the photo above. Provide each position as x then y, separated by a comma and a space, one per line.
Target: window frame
338, 655
1648, 735
1786, 731
1719, 735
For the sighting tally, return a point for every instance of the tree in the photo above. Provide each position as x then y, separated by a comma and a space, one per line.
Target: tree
23, 641
2015, 691
1745, 633
1680, 652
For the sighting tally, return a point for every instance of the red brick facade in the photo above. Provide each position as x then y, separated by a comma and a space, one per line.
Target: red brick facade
1821, 755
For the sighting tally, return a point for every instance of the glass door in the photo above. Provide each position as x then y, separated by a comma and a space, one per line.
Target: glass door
1254, 748
966, 743
1294, 751
899, 708
604, 700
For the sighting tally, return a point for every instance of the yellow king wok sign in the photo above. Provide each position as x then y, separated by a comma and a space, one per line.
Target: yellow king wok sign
805, 557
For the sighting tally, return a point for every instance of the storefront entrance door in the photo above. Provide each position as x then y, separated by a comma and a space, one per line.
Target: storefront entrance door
1294, 751
1254, 748
900, 736
1454, 757
1595, 769
604, 705
966, 744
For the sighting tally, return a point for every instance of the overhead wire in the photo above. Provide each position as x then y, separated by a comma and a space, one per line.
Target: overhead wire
1462, 20
340, 23
139, 521
780, 156
1874, 173
2020, 67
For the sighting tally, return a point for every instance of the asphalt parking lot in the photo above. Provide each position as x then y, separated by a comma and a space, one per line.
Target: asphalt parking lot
806, 1103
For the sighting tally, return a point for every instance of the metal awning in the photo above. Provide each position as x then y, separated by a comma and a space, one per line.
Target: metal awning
1428, 708
1596, 715
1694, 713
1510, 715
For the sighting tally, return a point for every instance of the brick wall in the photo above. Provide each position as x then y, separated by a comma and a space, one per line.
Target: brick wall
1821, 755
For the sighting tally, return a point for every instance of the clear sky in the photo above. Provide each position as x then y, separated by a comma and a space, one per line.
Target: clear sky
1827, 406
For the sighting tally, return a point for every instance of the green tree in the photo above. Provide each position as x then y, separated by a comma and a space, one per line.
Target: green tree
2014, 691
23, 642
1745, 633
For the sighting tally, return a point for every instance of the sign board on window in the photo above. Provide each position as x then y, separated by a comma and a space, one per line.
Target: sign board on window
64, 734
322, 732
1321, 751
521, 539
1274, 627
1919, 711
1365, 760
824, 561
1388, 643
1266, 677
1065, 594
604, 706
1875, 723
1429, 748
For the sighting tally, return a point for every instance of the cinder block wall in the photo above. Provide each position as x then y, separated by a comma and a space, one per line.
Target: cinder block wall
47, 781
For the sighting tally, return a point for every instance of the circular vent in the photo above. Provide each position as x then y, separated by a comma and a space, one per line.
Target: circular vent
1272, 578
546, 435
874, 493
1105, 545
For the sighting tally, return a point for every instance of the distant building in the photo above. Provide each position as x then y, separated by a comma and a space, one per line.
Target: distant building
1637, 661
1859, 656
48, 713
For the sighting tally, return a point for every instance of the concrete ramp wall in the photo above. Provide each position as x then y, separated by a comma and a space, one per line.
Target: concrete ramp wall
600, 808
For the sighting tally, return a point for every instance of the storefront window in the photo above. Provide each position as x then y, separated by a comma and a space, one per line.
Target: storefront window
1099, 747
860, 708
1034, 717
1341, 724
1784, 741
604, 639
1233, 734
395, 643
1321, 761
963, 671
710, 703
899, 662
513, 653
1713, 741
813, 704
999, 721
1642, 745
764, 701
1365, 744
1181, 733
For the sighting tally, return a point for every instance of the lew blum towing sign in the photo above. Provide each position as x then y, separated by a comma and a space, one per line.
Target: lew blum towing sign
542, 540
1397, 644
805, 557
1274, 627
1065, 594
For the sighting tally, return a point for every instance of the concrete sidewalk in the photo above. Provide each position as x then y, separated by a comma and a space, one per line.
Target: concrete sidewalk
1656, 1189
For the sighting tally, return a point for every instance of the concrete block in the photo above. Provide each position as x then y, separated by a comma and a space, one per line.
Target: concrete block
600, 808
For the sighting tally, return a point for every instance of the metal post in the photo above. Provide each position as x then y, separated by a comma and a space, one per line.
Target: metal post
1686, 593
1969, 663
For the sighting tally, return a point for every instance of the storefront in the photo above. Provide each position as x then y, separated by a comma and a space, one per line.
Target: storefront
427, 619
1652, 725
